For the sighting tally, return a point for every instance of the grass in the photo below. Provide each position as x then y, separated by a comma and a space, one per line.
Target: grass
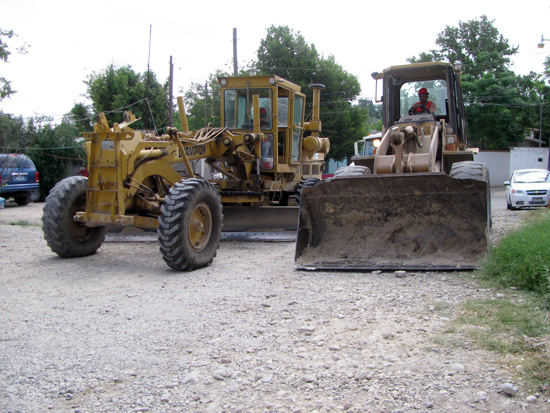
522, 259
21, 223
516, 326
515, 322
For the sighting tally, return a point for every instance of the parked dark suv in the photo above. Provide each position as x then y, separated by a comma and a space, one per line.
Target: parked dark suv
18, 178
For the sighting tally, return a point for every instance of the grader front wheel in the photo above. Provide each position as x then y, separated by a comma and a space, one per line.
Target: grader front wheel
64, 236
190, 225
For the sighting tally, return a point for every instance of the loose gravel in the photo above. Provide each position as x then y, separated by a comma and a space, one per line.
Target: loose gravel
120, 332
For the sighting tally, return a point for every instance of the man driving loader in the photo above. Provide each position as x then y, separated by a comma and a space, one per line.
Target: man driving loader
424, 106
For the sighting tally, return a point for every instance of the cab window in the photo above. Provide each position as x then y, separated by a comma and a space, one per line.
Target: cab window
437, 90
239, 112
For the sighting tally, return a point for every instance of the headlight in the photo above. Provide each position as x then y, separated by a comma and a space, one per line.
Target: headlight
517, 191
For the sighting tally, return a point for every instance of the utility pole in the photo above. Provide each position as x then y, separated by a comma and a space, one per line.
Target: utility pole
170, 93
205, 105
540, 128
149, 59
235, 64
148, 73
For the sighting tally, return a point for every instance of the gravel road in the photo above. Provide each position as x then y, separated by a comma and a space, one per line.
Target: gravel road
121, 332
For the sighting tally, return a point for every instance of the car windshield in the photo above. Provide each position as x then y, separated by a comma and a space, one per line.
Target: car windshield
531, 176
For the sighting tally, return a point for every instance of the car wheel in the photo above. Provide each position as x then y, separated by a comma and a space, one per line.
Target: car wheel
35, 196
509, 205
22, 199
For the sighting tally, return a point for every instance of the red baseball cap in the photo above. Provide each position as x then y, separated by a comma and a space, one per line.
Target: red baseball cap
423, 91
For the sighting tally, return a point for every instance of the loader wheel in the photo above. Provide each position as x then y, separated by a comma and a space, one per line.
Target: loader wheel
352, 170
66, 237
474, 170
306, 183
190, 225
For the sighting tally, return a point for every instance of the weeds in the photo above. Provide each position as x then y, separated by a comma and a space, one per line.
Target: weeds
522, 259
516, 321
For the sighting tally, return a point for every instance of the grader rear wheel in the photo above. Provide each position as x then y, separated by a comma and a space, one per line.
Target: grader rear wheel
190, 225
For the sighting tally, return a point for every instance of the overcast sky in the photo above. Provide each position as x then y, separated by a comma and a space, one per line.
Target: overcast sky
68, 40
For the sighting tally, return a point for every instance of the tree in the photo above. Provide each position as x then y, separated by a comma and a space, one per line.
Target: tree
5, 86
81, 117
52, 148
202, 103
115, 90
495, 98
374, 121
477, 44
286, 53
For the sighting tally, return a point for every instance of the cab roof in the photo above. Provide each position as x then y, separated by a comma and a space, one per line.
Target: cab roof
417, 71
259, 81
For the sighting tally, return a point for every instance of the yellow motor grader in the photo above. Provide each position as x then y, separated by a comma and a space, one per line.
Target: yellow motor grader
420, 202
262, 156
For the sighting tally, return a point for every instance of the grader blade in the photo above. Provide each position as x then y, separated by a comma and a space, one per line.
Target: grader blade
394, 222
269, 218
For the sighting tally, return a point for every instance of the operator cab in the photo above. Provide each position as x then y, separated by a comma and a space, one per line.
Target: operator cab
281, 116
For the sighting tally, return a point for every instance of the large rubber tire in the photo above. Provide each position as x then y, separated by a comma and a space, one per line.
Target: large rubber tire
474, 170
190, 226
24, 199
352, 170
470, 170
305, 183
64, 236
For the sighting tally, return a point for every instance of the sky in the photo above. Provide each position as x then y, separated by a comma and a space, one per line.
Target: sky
69, 40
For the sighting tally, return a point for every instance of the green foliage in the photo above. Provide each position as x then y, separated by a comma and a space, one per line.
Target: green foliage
500, 105
477, 44
117, 89
52, 148
286, 53
514, 325
202, 103
81, 117
547, 67
374, 120
499, 108
5, 86
522, 259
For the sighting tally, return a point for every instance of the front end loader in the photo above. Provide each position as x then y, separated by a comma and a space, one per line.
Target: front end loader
419, 203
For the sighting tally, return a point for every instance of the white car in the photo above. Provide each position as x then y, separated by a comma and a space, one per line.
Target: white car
528, 188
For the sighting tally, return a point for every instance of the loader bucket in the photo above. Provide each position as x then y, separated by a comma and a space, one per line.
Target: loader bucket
394, 222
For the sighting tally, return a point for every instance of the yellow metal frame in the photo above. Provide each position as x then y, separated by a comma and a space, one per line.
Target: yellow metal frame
130, 172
